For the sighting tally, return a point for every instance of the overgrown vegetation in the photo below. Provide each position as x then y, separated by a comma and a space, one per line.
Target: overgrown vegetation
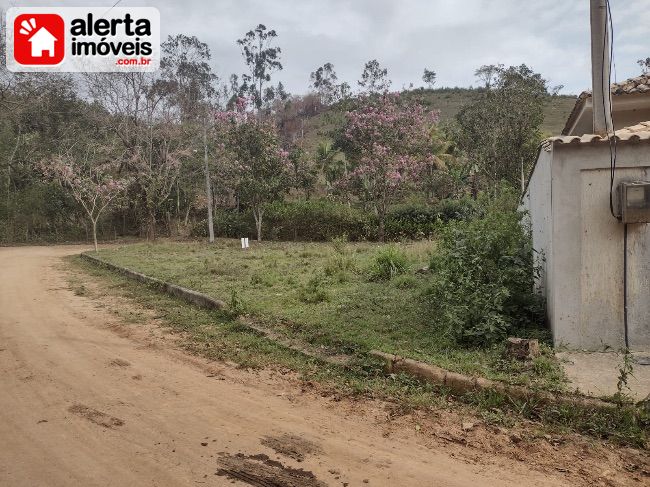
323, 220
483, 279
389, 262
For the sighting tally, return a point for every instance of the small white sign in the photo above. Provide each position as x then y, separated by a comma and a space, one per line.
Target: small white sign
83, 39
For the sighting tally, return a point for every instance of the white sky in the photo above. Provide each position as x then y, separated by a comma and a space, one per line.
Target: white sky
452, 37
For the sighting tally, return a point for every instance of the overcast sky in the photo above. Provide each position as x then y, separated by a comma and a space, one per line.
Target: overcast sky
452, 37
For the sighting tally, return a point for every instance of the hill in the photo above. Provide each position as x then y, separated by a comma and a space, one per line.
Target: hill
448, 101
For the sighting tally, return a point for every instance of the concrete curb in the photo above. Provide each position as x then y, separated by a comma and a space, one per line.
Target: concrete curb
461, 384
193, 297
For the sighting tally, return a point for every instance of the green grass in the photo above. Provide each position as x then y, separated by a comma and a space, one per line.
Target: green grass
219, 335
328, 295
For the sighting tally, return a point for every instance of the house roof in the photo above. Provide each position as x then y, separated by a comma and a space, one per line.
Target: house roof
635, 133
42, 35
638, 84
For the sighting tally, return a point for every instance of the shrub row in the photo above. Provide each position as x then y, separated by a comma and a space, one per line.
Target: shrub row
323, 220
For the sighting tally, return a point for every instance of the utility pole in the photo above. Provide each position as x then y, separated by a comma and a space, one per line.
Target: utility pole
208, 182
600, 67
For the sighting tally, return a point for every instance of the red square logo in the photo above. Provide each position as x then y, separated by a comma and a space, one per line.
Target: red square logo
39, 39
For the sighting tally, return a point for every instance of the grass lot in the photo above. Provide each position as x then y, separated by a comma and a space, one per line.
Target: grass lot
323, 295
219, 335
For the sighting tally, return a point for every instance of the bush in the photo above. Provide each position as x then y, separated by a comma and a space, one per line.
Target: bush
388, 263
411, 222
227, 223
317, 220
458, 209
417, 221
341, 263
482, 287
313, 292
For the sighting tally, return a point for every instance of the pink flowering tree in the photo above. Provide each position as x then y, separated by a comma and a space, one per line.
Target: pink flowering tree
388, 141
93, 185
157, 168
257, 167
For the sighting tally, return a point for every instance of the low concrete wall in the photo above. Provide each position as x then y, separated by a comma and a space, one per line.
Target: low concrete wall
188, 295
461, 384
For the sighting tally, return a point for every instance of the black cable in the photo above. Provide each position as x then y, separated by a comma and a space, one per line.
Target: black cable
625, 325
612, 162
609, 31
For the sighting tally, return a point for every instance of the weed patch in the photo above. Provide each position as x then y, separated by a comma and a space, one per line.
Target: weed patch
314, 291
389, 262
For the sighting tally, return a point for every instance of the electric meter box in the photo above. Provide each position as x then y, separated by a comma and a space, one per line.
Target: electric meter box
634, 201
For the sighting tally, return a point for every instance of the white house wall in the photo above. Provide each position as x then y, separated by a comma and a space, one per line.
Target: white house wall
638, 287
585, 291
537, 202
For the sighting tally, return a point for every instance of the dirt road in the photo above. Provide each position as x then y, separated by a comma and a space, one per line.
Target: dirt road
83, 403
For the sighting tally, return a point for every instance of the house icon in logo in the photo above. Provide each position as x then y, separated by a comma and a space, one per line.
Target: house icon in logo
42, 41
39, 39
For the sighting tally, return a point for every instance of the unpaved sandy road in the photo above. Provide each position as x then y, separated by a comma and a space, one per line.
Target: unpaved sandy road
81, 405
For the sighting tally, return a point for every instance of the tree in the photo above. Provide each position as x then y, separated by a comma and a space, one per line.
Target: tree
500, 129
90, 177
304, 171
488, 73
644, 64
389, 143
345, 91
259, 170
262, 59
374, 78
440, 176
429, 77
185, 67
324, 81
145, 117
332, 167
38, 112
